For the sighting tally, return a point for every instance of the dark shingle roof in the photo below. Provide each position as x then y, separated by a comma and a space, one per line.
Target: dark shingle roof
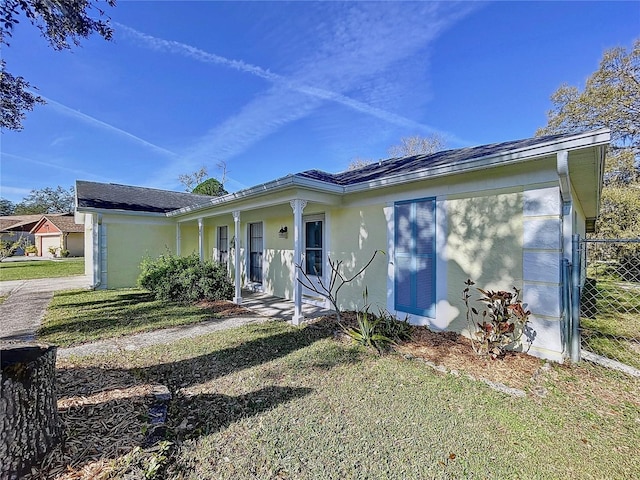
414, 163
137, 199
65, 223
18, 222
23, 223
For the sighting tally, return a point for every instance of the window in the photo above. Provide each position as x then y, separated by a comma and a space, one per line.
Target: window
223, 245
313, 247
414, 280
255, 252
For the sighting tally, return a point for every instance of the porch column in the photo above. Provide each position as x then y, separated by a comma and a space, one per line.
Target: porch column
178, 238
298, 206
200, 239
236, 257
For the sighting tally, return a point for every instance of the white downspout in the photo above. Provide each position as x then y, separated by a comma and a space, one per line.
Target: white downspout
567, 202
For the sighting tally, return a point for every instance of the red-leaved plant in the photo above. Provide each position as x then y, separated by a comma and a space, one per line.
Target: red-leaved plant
503, 320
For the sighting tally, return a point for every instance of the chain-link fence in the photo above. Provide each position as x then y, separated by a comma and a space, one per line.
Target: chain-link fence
610, 300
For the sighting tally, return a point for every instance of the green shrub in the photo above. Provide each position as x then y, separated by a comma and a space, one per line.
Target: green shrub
185, 279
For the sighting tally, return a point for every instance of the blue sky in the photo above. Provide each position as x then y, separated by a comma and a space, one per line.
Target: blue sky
273, 88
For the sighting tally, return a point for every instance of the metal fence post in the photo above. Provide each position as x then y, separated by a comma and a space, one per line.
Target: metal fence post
566, 306
575, 298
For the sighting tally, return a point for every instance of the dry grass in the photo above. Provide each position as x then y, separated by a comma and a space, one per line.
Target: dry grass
274, 401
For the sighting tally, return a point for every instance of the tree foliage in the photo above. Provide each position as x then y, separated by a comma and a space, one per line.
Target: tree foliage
62, 23
15, 99
210, 187
417, 145
191, 180
47, 200
358, 163
409, 146
611, 98
7, 207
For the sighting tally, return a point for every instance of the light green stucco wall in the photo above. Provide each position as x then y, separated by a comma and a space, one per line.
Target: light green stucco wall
484, 243
128, 244
278, 257
356, 233
188, 238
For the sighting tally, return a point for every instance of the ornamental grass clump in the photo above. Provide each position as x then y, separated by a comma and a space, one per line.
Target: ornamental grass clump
501, 324
379, 332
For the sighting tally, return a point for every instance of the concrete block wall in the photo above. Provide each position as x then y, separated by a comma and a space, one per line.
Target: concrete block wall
542, 270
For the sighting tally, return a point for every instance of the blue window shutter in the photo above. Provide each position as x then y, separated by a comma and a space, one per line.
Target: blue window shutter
415, 257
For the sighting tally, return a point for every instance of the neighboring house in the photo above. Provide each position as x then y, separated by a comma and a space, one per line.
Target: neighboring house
55, 234
15, 227
501, 214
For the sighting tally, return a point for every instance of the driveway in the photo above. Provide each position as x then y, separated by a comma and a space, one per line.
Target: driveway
22, 313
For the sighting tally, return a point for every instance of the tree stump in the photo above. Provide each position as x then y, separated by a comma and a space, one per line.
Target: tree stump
29, 422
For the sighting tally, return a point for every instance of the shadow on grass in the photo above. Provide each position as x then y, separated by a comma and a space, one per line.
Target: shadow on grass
70, 321
193, 415
203, 368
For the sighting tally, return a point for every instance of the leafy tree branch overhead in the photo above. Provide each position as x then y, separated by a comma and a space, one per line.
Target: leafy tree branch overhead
62, 23
611, 98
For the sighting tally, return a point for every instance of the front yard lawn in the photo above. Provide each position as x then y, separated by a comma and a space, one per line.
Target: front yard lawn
41, 269
272, 401
80, 316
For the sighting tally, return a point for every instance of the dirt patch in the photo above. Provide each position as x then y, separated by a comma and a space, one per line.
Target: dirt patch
454, 352
223, 308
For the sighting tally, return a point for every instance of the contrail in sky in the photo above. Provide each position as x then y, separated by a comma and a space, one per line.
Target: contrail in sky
89, 119
324, 94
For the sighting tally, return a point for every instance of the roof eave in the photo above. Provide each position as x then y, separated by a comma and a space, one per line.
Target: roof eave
108, 211
273, 186
594, 138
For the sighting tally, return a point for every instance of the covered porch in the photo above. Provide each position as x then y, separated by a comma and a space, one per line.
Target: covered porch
276, 307
262, 243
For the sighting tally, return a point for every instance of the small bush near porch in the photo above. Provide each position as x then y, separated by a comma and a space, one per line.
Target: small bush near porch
185, 279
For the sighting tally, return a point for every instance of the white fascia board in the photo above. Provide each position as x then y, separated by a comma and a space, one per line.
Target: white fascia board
595, 138
108, 211
264, 188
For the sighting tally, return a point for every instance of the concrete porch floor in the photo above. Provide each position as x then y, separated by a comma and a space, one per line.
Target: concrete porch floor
276, 307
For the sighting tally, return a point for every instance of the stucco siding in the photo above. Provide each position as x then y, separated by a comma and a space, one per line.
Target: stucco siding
188, 238
278, 263
483, 243
75, 244
356, 233
128, 245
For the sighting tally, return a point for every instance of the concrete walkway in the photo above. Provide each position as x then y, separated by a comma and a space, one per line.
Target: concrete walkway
21, 313
264, 306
